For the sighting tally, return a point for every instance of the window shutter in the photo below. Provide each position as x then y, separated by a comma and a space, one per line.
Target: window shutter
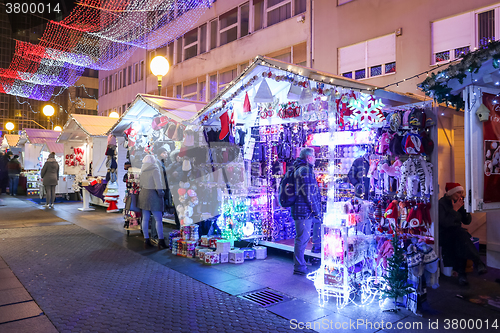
452, 33
381, 50
352, 57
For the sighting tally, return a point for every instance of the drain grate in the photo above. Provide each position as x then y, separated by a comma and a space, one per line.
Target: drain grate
265, 297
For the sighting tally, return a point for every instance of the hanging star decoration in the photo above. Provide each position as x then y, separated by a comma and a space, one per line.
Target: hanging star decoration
366, 112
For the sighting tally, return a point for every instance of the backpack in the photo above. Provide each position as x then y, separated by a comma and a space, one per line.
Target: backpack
287, 196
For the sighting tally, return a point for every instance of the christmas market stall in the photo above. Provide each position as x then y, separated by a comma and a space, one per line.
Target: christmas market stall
152, 125
472, 86
90, 157
36, 145
374, 167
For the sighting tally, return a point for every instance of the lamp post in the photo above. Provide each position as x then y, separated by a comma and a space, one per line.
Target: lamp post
9, 126
58, 128
114, 114
48, 111
159, 67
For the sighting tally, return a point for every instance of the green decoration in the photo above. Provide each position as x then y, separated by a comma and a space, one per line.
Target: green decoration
397, 275
436, 85
233, 217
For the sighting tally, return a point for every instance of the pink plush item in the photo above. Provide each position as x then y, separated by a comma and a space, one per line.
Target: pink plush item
181, 191
383, 144
155, 123
191, 193
393, 170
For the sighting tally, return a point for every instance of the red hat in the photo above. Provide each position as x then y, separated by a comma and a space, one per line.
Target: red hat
452, 188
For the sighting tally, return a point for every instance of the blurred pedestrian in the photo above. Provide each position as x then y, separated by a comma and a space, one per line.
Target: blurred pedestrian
4, 173
50, 178
14, 168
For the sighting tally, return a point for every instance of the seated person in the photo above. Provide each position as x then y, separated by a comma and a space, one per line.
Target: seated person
456, 241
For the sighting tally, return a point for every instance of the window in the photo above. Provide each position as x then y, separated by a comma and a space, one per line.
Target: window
120, 80
451, 34
371, 58
191, 44
130, 74
258, 14
300, 6
141, 70
170, 53
202, 91
178, 91
136, 72
278, 10
190, 92
485, 28
226, 77
178, 54
213, 86
203, 38
213, 34
110, 83
244, 19
124, 108
228, 25
125, 77
115, 82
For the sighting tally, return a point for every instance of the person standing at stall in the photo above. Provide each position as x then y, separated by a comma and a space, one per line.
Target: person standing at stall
456, 241
306, 211
50, 178
151, 199
14, 167
164, 159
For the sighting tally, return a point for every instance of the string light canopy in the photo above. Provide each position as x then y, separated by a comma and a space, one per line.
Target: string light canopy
97, 35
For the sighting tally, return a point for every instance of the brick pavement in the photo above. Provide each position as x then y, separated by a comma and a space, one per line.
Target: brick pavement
85, 283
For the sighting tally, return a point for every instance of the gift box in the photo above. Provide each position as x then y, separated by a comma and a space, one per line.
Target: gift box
197, 251
212, 242
194, 234
248, 253
260, 252
204, 240
181, 248
223, 246
211, 258
94, 182
224, 257
185, 232
236, 256
202, 252
190, 249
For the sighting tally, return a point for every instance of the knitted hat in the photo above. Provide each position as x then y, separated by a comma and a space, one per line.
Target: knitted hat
413, 144
415, 218
246, 104
170, 131
452, 188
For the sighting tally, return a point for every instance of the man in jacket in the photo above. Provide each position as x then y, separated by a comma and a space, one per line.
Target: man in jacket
456, 241
306, 211
14, 167
50, 177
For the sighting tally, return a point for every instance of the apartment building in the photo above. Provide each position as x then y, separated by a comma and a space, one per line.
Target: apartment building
213, 51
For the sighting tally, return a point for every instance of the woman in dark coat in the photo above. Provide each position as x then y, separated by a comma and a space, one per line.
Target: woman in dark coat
50, 176
151, 199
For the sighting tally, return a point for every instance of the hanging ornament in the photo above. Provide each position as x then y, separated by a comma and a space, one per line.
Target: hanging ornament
366, 112
264, 94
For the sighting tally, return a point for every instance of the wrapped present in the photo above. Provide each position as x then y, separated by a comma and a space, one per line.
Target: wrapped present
196, 251
260, 252
204, 240
186, 232
194, 233
223, 246
94, 182
212, 258
248, 253
212, 242
224, 257
236, 256
181, 248
202, 252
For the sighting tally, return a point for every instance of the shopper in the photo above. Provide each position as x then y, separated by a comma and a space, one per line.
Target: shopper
164, 160
306, 210
151, 199
455, 241
4, 174
50, 177
14, 167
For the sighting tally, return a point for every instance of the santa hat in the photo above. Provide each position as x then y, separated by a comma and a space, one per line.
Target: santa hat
246, 104
452, 188
391, 213
415, 217
224, 123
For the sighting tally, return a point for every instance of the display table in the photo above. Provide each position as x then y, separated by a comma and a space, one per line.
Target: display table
86, 201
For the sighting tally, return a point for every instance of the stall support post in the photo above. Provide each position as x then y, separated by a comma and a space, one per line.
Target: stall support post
86, 201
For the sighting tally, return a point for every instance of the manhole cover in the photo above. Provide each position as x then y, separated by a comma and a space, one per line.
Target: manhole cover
265, 297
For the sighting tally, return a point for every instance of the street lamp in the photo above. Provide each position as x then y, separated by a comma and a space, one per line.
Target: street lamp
58, 128
159, 66
9, 126
114, 114
48, 111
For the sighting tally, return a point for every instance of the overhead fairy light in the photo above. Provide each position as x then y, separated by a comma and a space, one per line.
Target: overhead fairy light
97, 35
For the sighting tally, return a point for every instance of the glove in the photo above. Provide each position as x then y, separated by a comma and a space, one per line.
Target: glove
161, 193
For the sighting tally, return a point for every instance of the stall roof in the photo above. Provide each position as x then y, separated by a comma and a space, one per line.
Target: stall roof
147, 106
37, 136
261, 64
479, 68
57, 148
80, 126
12, 139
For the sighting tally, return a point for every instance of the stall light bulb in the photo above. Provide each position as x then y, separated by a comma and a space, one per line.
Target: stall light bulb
442, 114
